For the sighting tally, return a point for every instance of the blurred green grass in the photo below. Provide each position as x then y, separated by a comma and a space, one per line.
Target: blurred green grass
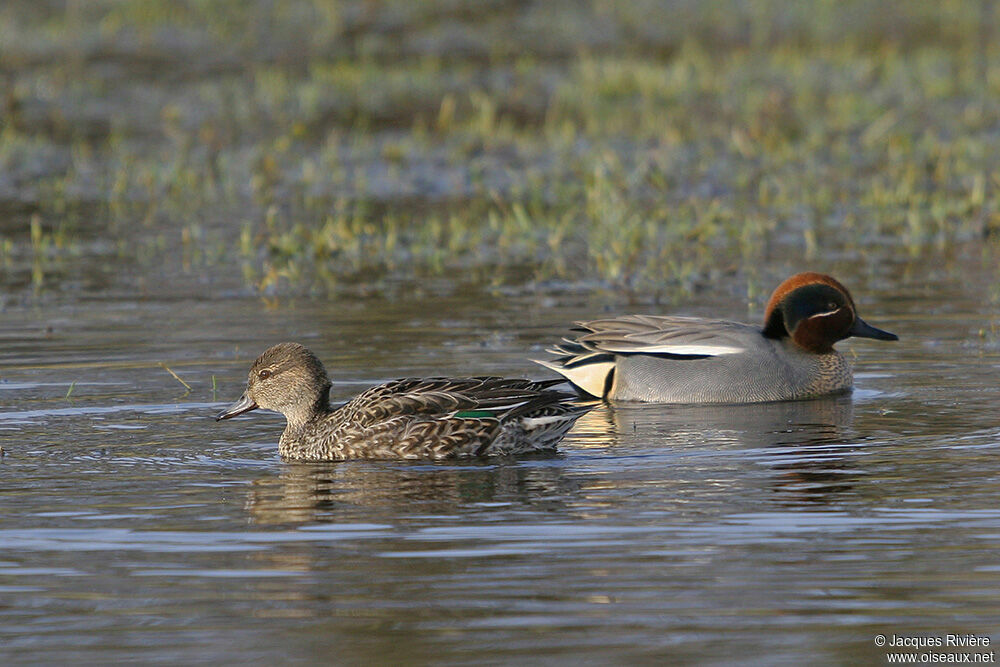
641, 145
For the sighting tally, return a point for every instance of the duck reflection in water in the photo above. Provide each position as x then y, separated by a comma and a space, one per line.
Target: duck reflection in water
807, 446
369, 491
653, 458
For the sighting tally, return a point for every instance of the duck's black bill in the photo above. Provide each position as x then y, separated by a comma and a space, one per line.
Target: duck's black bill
237, 408
862, 329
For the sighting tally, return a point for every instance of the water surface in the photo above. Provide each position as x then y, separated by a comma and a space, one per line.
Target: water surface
134, 527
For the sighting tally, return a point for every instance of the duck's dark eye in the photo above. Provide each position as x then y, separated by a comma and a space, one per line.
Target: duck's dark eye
264, 374
831, 306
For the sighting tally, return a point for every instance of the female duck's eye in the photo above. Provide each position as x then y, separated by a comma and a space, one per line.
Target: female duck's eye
831, 306
263, 375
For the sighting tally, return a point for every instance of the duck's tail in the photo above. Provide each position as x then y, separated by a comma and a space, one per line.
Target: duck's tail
538, 425
589, 371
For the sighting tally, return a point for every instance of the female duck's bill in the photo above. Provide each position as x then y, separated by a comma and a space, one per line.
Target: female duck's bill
245, 404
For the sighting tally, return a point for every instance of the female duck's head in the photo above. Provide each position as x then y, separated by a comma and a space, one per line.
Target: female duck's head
286, 378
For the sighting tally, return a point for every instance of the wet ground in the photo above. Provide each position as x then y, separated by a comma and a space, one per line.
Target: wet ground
135, 527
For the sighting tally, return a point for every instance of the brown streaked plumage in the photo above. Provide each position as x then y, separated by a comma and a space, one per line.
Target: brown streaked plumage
692, 360
409, 418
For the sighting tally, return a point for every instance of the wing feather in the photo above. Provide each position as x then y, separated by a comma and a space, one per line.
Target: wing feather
588, 361
443, 397
652, 334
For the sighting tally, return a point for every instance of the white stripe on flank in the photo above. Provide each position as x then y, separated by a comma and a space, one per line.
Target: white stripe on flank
535, 422
699, 350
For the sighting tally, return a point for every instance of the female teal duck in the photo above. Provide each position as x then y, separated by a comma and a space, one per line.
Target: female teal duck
692, 360
411, 418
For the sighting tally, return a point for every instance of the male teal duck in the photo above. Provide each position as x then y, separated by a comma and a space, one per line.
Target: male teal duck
660, 359
411, 418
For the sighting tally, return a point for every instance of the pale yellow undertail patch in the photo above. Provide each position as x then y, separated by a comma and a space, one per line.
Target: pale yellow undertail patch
591, 378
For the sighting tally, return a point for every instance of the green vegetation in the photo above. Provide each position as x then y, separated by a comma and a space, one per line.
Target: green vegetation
644, 145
